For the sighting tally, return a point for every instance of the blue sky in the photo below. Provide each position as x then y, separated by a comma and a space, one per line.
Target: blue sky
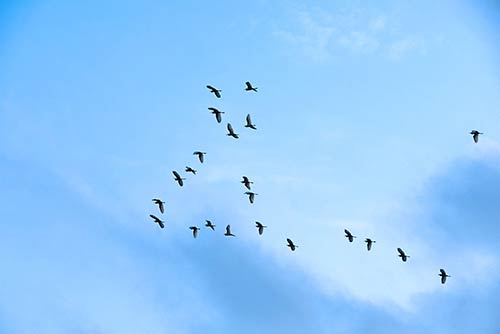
363, 114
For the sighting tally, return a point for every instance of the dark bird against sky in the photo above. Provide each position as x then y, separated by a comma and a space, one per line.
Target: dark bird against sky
291, 244
157, 220
217, 113
249, 123
178, 178
200, 155
260, 227
251, 196
247, 182
402, 255
160, 204
214, 90
231, 131
250, 87
349, 236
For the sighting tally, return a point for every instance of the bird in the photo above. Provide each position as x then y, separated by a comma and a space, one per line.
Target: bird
178, 178
157, 220
251, 196
200, 155
402, 255
195, 230
231, 131
291, 244
217, 113
247, 182
160, 203
214, 90
443, 275
369, 243
190, 170
349, 236
249, 123
475, 135
228, 231
250, 87
210, 225
260, 227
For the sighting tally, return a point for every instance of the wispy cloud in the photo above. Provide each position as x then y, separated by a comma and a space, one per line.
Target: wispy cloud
321, 34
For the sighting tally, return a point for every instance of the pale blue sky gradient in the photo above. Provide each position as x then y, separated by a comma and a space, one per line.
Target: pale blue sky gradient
363, 114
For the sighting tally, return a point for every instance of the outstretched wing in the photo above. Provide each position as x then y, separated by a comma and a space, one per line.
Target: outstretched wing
162, 208
230, 128
177, 176
218, 117
400, 251
249, 85
217, 93
249, 120
476, 137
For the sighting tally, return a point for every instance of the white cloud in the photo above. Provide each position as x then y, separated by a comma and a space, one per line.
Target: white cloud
319, 34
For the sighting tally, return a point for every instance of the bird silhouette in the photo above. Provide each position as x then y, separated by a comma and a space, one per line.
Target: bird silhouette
195, 231
247, 182
251, 196
475, 135
402, 255
291, 244
369, 243
178, 178
190, 170
160, 203
231, 131
210, 225
214, 90
260, 227
250, 87
228, 231
443, 275
157, 220
349, 236
249, 123
200, 155
217, 113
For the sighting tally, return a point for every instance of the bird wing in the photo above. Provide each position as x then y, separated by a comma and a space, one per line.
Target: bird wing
261, 229
252, 197
230, 128
161, 224
476, 137
200, 156
228, 229
162, 208
347, 233
249, 120
177, 176
195, 233
369, 245
400, 251
211, 88
442, 272
290, 242
213, 109
249, 85
217, 93
154, 217
218, 117
443, 279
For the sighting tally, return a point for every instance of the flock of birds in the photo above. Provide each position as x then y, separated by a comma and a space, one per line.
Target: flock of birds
251, 195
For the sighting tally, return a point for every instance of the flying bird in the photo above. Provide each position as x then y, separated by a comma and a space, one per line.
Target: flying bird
200, 155
475, 135
443, 275
195, 231
291, 244
260, 227
246, 182
369, 243
214, 90
228, 231
190, 170
249, 123
231, 131
402, 255
251, 196
157, 220
349, 236
217, 113
250, 87
160, 203
178, 178
210, 225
